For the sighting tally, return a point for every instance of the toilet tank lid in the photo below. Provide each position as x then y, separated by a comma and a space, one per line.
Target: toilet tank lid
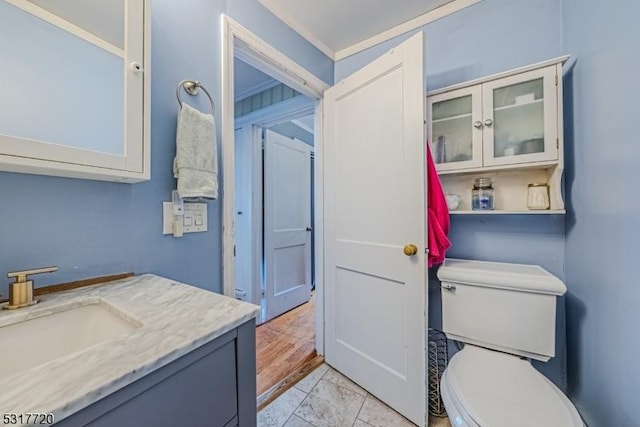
517, 277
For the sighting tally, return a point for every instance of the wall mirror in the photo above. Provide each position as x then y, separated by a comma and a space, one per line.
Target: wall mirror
74, 80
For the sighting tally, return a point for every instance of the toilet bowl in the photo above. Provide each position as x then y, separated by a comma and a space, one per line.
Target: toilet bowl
505, 315
486, 388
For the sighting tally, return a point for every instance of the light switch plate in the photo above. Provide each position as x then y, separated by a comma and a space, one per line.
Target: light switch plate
198, 217
192, 212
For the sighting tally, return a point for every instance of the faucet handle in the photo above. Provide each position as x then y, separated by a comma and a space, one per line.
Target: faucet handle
21, 276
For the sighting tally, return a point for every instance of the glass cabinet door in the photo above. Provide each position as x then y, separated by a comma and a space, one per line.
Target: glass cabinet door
455, 131
520, 118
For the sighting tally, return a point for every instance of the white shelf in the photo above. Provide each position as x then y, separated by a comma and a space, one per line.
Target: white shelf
490, 169
446, 119
500, 212
522, 104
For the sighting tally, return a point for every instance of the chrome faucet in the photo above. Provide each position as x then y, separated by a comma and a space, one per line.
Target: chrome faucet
21, 291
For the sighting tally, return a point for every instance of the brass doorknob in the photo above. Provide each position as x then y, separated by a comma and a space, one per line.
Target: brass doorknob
410, 250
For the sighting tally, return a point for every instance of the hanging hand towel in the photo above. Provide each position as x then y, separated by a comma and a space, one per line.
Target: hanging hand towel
437, 217
196, 161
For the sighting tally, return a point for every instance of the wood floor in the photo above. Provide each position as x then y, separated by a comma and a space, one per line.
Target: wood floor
284, 344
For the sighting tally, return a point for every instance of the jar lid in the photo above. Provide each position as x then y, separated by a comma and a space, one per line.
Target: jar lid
483, 182
539, 184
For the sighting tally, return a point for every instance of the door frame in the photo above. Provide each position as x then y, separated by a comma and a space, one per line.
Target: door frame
265, 57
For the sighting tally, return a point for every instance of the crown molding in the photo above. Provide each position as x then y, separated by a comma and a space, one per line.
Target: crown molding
285, 17
417, 22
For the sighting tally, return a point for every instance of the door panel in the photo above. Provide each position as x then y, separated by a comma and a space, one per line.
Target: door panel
375, 296
363, 218
287, 221
349, 328
290, 265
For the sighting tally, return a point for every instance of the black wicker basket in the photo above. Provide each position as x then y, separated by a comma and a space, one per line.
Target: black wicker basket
438, 359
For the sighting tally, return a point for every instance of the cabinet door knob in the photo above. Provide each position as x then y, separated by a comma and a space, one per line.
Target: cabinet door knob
477, 124
488, 122
137, 67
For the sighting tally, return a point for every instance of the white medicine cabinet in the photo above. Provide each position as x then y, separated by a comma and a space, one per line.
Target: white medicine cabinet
75, 84
507, 127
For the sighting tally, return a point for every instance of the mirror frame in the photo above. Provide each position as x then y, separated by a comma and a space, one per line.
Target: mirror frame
37, 157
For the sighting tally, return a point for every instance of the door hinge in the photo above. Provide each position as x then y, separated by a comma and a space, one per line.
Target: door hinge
262, 293
557, 143
556, 80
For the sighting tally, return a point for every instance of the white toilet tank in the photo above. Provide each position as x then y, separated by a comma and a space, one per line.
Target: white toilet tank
506, 307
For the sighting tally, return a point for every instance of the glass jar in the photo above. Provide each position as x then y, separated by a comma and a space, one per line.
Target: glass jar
482, 194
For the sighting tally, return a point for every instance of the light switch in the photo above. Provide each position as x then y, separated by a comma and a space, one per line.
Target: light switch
198, 217
188, 219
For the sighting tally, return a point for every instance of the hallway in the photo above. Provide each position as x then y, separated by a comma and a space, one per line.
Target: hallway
284, 345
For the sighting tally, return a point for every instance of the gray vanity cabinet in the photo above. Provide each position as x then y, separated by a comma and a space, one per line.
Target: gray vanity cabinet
212, 386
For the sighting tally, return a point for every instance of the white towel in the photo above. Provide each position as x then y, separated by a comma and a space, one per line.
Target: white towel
196, 161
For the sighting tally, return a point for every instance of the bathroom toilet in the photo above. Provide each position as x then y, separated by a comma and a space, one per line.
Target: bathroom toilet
505, 315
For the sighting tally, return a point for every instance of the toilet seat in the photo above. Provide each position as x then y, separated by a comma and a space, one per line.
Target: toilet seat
485, 388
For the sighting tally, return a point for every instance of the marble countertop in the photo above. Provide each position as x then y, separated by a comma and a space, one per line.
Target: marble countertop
174, 319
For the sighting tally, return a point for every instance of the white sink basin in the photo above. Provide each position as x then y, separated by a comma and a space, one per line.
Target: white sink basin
32, 342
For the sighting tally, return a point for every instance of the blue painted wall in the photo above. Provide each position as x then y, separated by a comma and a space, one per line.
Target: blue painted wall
490, 37
91, 228
486, 38
603, 228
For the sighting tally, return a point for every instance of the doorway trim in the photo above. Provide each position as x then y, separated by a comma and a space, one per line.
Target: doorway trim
256, 52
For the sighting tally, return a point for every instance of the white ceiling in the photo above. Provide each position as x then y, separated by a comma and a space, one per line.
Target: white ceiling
339, 24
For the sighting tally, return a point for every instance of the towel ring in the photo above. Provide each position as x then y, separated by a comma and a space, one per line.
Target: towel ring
191, 87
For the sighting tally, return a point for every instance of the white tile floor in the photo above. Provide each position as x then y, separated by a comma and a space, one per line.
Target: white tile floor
326, 398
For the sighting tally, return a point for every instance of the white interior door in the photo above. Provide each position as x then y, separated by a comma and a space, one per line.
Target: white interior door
287, 223
375, 295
